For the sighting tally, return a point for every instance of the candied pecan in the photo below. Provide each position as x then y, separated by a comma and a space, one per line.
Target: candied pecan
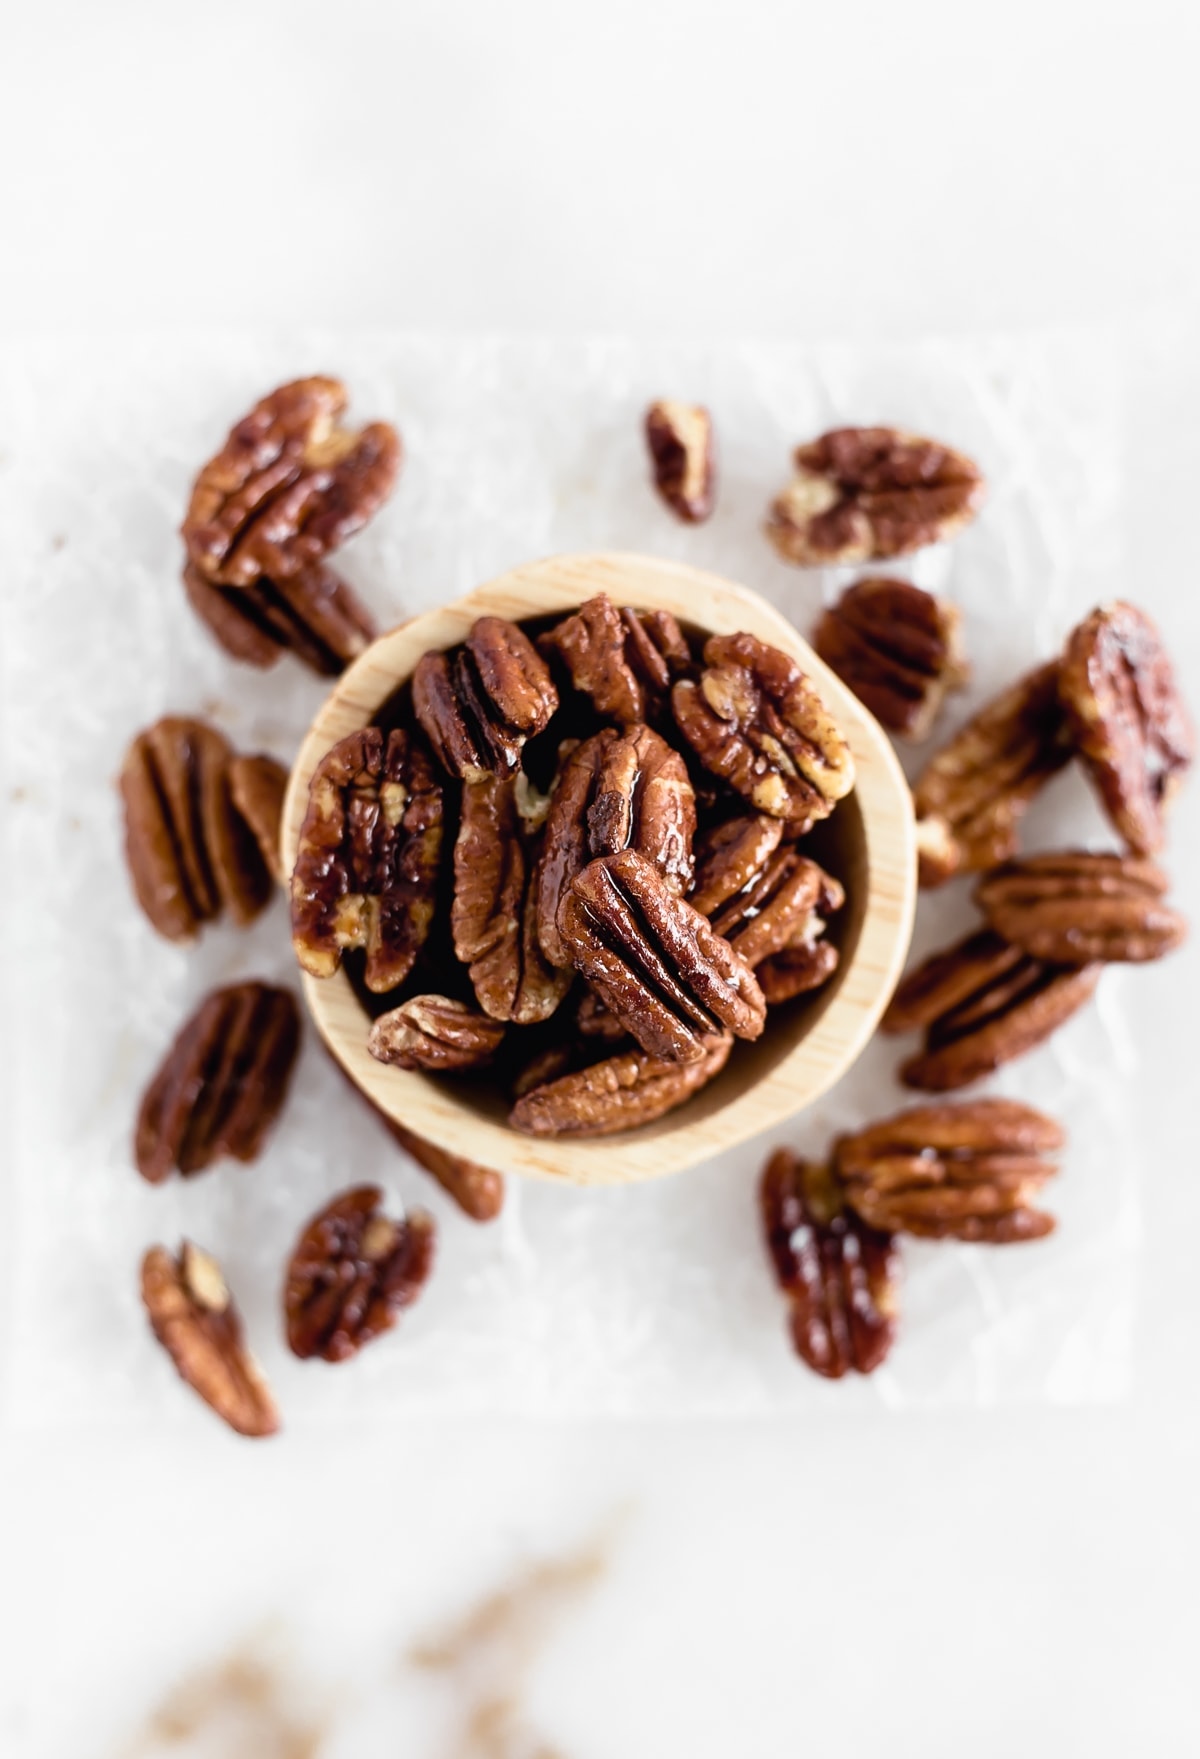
545, 1066
729, 856
962, 1171
840, 1275
594, 1020
1128, 719
478, 1191
257, 786
434, 1032
368, 855
654, 961
804, 964
680, 438
898, 648
222, 1084
867, 494
190, 853
971, 795
620, 1093
352, 1274
288, 486
623, 659
194, 1318
482, 701
754, 719
314, 615
1075, 907
778, 907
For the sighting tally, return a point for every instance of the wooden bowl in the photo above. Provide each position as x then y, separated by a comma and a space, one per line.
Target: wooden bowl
807, 1046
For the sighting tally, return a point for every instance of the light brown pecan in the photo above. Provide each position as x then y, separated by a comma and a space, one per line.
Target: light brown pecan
898, 648
623, 659
435, 1032
194, 1318
780, 907
288, 486
957, 1171
1074, 907
971, 796
257, 786
222, 1084
729, 856
868, 494
314, 615
353, 1273
840, 1275
1128, 719
368, 855
754, 719
620, 1093
655, 962
680, 439
479, 703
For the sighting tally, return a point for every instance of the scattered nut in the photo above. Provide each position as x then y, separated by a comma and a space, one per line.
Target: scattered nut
620, 1093
314, 615
624, 660
194, 1318
435, 1033
1075, 907
480, 703
352, 1274
680, 438
478, 1191
898, 648
257, 786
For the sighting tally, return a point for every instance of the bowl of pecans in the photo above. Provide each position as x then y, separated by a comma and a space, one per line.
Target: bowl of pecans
597, 871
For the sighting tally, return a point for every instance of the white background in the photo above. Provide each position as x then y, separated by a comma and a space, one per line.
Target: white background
926, 1586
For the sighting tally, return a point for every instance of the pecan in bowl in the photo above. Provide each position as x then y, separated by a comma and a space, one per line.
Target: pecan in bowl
900, 650
353, 1273
479, 704
623, 660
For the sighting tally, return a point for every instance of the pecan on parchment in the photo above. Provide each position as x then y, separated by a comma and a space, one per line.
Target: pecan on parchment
620, 1093
868, 494
479, 703
680, 439
1128, 719
435, 1032
194, 1318
623, 659
779, 908
655, 962
840, 1275
971, 795
368, 855
222, 1084
729, 856
962, 1171
1075, 906
314, 615
288, 486
898, 648
257, 786
754, 719
352, 1274
478, 1191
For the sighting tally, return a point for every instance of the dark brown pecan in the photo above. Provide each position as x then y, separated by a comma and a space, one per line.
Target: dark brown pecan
479, 703
898, 648
314, 615
971, 796
867, 494
594, 1020
257, 786
352, 1274
194, 1318
543, 1067
1074, 907
368, 855
754, 719
190, 854
655, 962
680, 438
222, 1084
778, 908
434, 1032
729, 856
804, 964
620, 1093
288, 486
623, 659
1128, 719
840, 1275
955, 1171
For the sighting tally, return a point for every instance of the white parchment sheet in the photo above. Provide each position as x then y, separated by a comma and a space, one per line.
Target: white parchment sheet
653, 1299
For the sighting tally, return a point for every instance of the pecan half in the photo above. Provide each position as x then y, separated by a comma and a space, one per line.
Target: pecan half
655, 962
680, 439
257, 786
623, 659
314, 615
222, 1084
1128, 719
867, 494
729, 856
194, 1318
754, 719
804, 964
367, 860
620, 1093
352, 1274
479, 703
840, 1275
956, 1171
434, 1032
779, 908
1075, 907
288, 486
971, 796
898, 648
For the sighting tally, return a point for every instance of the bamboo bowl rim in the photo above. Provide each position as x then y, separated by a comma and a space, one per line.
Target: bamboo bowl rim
740, 1102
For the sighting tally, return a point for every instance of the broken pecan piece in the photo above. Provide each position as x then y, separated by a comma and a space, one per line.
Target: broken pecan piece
620, 1093
898, 648
479, 703
257, 786
754, 719
434, 1032
868, 494
194, 1318
840, 1275
288, 486
314, 615
1075, 907
478, 1191
957, 1171
623, 659
352, 1274
680, 439
1128, 719
779, 908
368, 854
